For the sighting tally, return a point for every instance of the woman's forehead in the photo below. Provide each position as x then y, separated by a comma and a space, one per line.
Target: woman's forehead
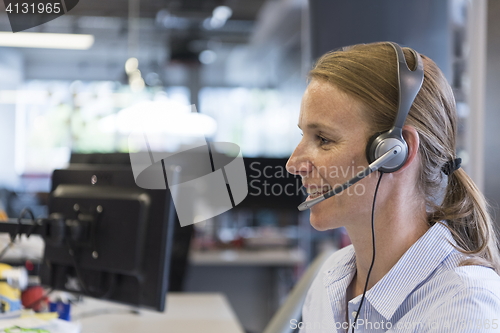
324, 104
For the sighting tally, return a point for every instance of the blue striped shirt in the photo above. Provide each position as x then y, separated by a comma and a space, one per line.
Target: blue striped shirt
426, 291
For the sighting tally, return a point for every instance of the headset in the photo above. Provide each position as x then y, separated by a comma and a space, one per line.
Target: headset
387, 151
410, 82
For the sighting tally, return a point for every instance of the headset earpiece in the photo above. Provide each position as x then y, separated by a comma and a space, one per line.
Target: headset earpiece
410, 82
381, 143
369, 155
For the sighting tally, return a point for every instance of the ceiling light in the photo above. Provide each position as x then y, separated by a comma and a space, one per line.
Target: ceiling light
46, 40
137, 84
222, 13
207, 57
207, 23
160, 117
219, 17
131, 65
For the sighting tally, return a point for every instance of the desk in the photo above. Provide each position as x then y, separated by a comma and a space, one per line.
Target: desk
186, 313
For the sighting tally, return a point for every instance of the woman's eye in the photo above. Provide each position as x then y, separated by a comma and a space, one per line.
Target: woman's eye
323, 141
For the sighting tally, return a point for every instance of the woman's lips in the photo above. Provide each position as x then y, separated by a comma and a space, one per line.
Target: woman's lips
315, 192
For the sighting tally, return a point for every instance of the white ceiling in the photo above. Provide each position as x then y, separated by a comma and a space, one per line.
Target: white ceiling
250, 39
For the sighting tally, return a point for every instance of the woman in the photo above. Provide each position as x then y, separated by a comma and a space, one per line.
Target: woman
437, 260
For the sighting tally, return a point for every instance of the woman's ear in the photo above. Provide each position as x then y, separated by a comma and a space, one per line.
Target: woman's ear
411, 137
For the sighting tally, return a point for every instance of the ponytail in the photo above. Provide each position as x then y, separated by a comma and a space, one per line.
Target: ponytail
464, 209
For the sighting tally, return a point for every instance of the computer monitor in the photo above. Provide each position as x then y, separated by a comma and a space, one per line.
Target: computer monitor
270, 186
116, 238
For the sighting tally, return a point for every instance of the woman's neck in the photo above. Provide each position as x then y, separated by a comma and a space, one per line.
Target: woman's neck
397, 228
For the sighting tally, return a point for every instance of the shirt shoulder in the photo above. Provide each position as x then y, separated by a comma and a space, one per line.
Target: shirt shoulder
469, 276
476, 276
471, 309
465, 297
452, 299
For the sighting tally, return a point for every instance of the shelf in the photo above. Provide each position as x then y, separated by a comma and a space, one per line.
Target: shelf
273, 257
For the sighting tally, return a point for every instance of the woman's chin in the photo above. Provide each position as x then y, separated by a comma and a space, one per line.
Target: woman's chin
327, 214
322, 222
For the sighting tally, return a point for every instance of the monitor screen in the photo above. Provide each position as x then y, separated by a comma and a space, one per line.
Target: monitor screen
116, 238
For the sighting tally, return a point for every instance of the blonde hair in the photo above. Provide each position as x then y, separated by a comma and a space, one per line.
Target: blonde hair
368, 72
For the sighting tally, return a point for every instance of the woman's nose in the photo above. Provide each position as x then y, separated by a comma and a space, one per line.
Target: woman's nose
298, 163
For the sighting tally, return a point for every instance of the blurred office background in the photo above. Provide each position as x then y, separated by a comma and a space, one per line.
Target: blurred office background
244, 63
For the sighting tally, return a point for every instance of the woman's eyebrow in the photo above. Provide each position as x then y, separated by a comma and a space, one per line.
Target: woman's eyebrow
320, 127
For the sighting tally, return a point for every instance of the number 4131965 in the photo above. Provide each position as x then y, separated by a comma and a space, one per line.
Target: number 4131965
32, 8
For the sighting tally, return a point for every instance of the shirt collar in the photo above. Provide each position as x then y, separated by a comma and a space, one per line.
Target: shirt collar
416, 264
421, 259
342, 268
